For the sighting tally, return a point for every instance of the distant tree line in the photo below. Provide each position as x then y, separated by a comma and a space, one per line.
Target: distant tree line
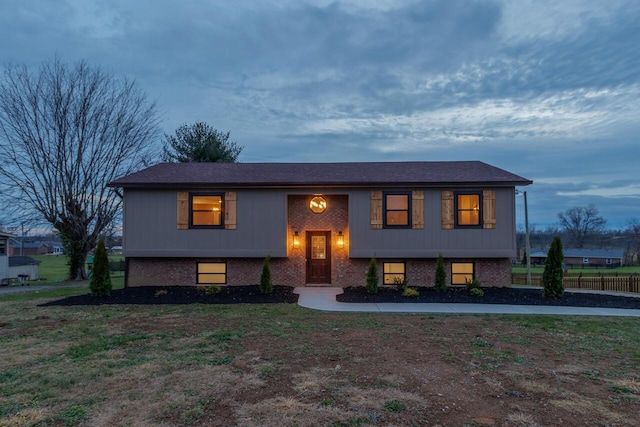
582, 227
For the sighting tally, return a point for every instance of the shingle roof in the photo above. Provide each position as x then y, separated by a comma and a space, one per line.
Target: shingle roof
18, 260
319, 174
583, 253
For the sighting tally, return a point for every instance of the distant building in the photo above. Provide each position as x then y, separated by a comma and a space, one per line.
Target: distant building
24, 268
578, 258
4, 256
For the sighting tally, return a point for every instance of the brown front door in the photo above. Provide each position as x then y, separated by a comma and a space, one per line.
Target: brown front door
319, 257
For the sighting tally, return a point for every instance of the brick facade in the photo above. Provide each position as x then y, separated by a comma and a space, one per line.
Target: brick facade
291, 271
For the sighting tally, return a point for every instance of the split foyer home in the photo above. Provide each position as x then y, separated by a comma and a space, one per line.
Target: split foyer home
321, 223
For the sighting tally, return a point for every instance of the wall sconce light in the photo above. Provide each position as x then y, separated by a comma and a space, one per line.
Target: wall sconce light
296, 239
340, 240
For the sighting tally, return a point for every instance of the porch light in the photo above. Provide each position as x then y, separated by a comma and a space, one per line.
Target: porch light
340, 240
296, 239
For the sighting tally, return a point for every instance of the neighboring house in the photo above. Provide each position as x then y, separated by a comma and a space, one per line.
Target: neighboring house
4, 257
214, 223
584, 257
24, 268
36, 248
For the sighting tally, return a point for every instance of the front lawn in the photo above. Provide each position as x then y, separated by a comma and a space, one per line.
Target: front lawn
282, 365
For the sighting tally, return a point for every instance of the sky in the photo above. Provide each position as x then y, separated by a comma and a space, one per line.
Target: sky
546, 89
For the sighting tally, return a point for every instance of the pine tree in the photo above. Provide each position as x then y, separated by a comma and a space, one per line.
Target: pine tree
100, 280
372, 277
440, 283
553, 272
266, 287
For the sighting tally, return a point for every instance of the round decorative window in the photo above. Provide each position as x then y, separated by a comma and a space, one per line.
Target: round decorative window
318, 204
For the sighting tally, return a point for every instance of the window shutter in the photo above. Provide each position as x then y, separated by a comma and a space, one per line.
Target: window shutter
489, 208
376, 210
183, 210
447, 210
230, 210
417, 210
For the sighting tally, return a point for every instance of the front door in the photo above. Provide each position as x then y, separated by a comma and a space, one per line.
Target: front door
319, 257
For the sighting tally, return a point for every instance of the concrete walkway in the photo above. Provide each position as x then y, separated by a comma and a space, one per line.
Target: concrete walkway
17, 289
324, 299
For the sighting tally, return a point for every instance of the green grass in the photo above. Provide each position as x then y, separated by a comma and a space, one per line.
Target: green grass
54, 269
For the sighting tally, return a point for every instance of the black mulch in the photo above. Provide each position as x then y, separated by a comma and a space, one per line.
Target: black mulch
515, 296
284, 294
183, 295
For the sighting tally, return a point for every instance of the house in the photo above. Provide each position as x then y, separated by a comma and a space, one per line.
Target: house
574, 258
214, 223
24, 268
4, 257
36, 248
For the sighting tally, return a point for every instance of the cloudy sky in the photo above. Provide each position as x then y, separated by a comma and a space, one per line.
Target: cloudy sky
546, 89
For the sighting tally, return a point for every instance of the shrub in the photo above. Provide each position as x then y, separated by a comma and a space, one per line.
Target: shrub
266, 287
476, 292
472, 284
372, 277
214, 289
552, 275
410, 292
161, 292
400, 284
440, 283
100, 280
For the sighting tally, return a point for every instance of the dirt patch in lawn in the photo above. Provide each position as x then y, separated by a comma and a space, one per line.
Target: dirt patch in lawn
167, 362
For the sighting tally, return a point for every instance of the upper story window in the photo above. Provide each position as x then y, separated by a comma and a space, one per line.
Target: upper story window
206, 210
397, 207
468, 207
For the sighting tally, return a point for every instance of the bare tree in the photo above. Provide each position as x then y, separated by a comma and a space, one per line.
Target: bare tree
66, 131
579, 222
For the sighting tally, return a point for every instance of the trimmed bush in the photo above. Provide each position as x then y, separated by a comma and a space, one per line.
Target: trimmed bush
372, 277
410, 292
476, 292
400, 284
553, 273
440, 283
266, 287
100, 284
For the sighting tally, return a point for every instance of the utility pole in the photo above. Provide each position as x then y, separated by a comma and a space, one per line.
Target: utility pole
527, 241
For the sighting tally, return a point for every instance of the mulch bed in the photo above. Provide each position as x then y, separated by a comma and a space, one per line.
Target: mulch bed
514, 296
150, 295
284, 294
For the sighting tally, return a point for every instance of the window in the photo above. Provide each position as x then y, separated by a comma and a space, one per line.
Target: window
206, 210
396, 210
461, 273
468, 209
214, 273
393, 272
609, 261
3, 249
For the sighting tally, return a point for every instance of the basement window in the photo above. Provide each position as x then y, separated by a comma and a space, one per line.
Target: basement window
212, 273
393, 272
461, 273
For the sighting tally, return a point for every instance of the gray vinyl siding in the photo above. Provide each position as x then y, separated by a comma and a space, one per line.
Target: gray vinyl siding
4, 258
432, 240
150, 218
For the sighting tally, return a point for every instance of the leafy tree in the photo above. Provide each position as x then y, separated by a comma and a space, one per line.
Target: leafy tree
200, 142
266, 287
65, 132
553, 272
581, 221
440, 283
100, 280
372, 277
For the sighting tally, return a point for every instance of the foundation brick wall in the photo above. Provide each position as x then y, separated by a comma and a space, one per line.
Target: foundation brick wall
291, 272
